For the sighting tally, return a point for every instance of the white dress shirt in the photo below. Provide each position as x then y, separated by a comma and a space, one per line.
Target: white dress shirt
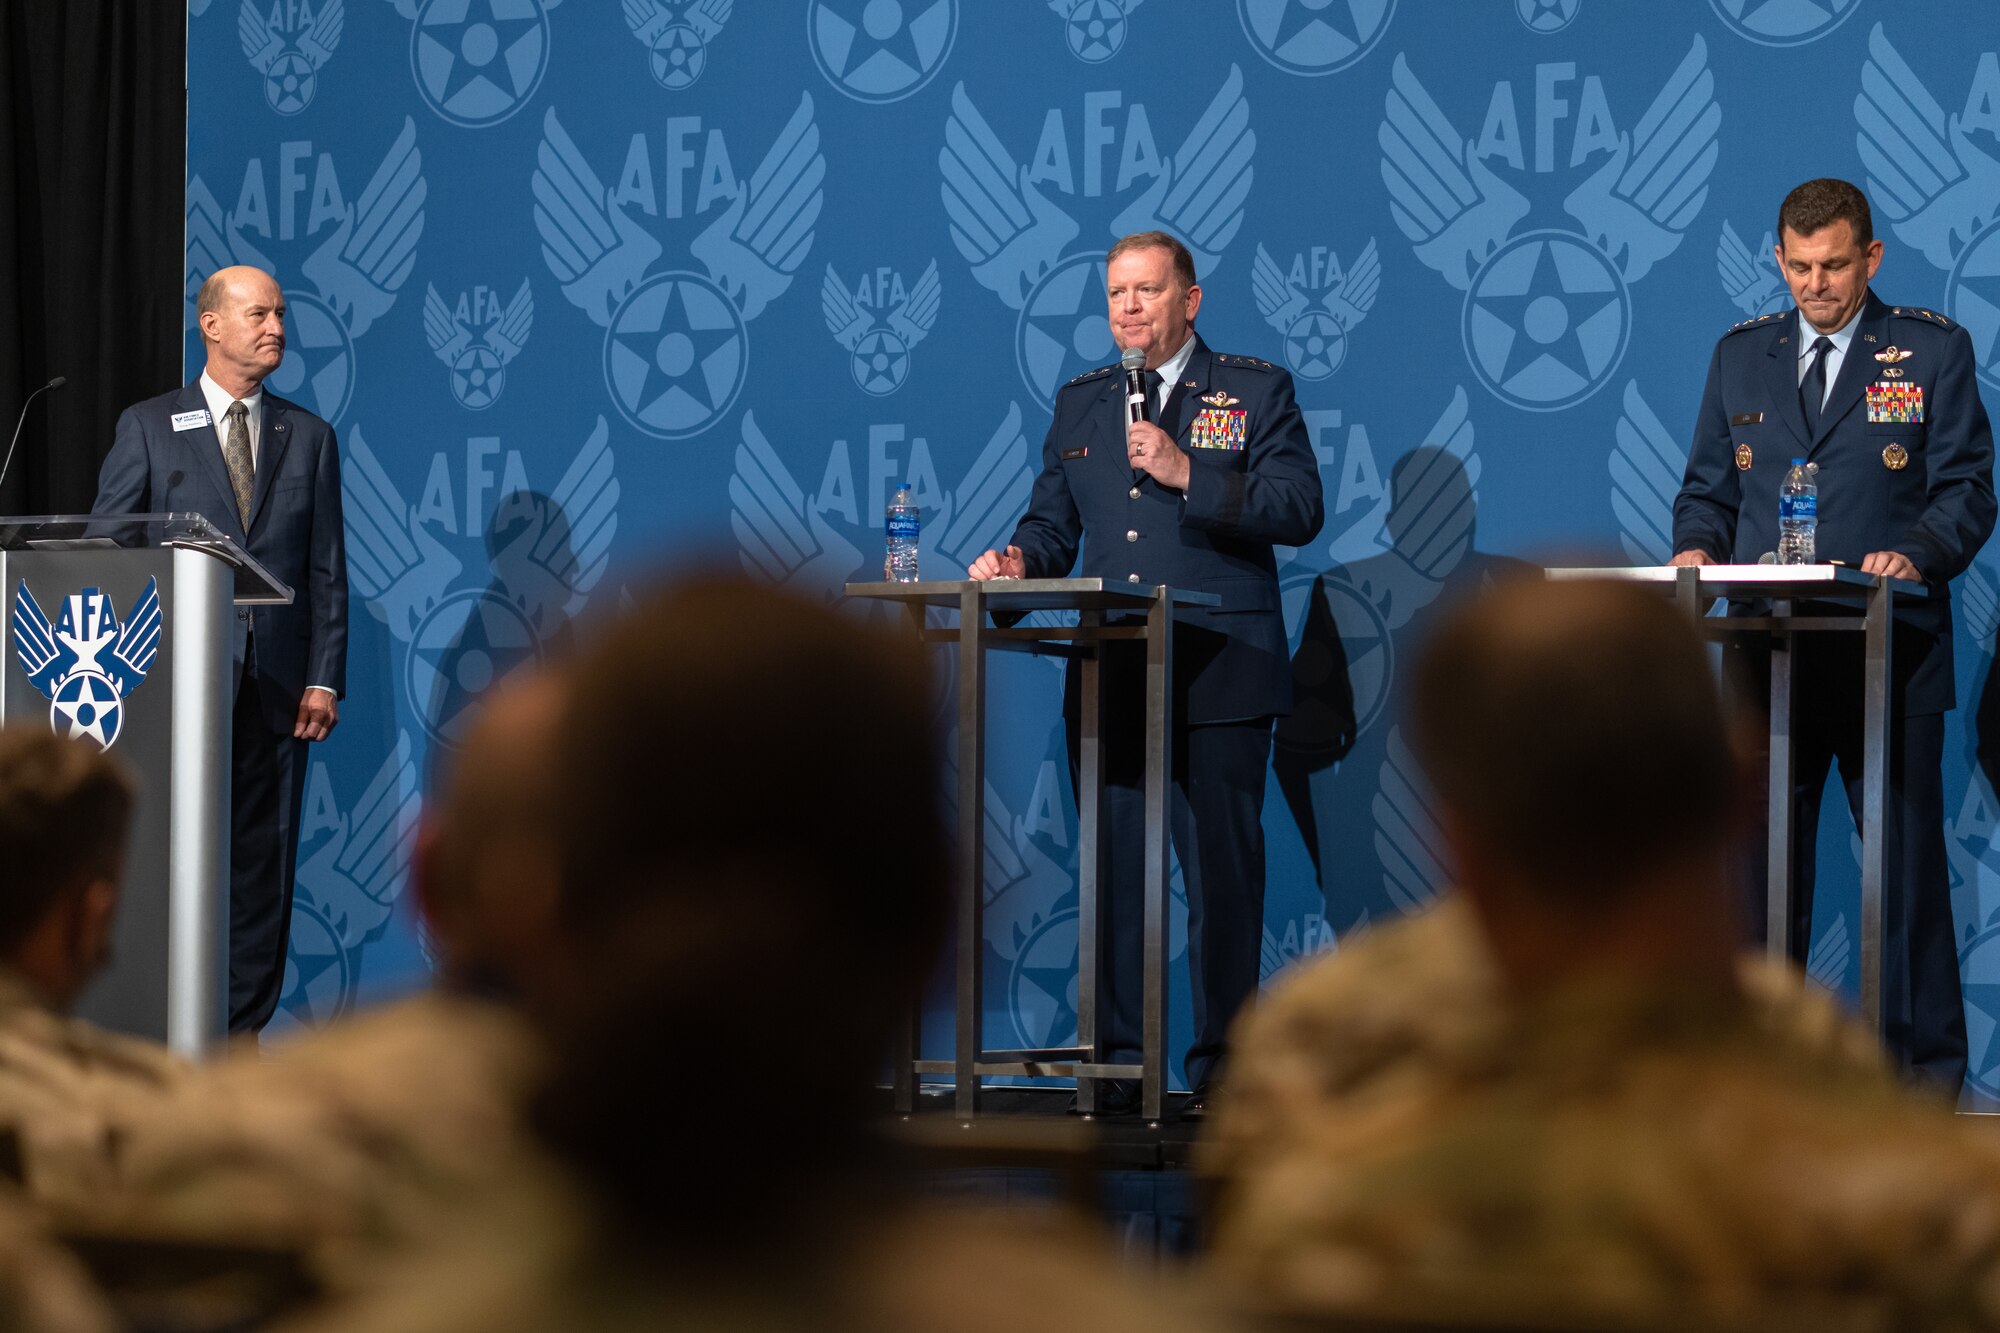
1808, 335
1170, 372
218, 412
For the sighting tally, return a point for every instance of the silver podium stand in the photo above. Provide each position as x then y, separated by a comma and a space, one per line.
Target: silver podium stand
169, 973
1091, 600
1784, 586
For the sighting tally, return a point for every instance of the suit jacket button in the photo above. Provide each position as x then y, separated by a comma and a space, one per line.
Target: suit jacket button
1131, 578
1134, 492
1132, 536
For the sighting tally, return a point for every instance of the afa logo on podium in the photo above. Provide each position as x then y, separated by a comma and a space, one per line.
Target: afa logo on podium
86, 663
676, 347
1548, 311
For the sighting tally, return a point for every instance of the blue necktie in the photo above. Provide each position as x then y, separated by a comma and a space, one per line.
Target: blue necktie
1812, 390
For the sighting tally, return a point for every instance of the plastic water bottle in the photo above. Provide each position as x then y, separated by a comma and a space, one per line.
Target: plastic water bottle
902, 529
1798, 514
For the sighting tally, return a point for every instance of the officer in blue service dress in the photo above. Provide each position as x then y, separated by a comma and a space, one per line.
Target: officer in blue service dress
1196, 502
1884, 399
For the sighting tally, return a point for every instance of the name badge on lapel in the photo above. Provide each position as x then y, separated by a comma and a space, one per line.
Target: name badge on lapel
1069, 454
192, 420
1218, 428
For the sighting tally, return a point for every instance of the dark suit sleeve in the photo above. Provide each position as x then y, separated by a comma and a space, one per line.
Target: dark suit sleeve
326, 575
1277, 497
1050, 532
125, 482
1959, 516
1711, 492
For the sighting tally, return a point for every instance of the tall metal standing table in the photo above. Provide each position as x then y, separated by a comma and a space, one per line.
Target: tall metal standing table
1092, 599
1785, 586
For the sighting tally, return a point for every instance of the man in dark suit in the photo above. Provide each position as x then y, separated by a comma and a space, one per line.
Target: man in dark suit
1885, 401
266, 472
1196, 502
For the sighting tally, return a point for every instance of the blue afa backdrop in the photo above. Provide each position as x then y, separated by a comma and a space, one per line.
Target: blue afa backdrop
589, 283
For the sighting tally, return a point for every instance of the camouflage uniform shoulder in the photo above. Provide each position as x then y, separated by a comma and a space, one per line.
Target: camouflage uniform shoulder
1756, 322
1235, 362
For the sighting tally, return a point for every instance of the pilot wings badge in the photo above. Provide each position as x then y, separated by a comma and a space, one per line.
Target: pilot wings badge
86, 663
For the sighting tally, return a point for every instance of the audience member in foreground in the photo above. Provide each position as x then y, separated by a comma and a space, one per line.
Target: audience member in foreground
1643, 1125
362, 1139
753, 886
70, 1093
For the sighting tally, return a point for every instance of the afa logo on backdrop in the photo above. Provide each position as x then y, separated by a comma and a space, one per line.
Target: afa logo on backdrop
476, 338
87, 663
1784, 22
1314, 37
677, 342
353, 868
1094, 30
1315, 303
287, 41
880, 321
1750, 278
1935, 178
1547, 16
1100, 160
676, 36
1548, 310
293, 217
880, 50
535, 556
816, 543
477, 62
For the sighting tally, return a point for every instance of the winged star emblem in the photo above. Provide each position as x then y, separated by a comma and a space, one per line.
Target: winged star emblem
86, 663
1938, 189
479, 357
358, 873
880, 345
1750, 277
786, 538
289, 54
400, 570
364, 261
1315, 332
676, 39
751, 250
1646, 469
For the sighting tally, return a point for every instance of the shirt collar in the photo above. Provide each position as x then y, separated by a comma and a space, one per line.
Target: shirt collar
219, 400
1841, 336
1171, 368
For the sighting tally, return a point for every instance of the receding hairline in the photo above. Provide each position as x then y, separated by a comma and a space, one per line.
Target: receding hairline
215, 288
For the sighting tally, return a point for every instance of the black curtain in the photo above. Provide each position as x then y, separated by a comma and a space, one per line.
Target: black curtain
93, 145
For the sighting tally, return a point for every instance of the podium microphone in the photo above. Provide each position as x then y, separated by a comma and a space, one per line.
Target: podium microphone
22, 420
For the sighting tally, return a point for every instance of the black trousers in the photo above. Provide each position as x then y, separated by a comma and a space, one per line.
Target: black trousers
1922, 1006
268, 773
1216, 816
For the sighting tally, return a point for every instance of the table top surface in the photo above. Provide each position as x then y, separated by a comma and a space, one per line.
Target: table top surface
1032, 594
1842, 582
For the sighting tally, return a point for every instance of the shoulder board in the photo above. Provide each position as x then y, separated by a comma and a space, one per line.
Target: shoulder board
1090, 375
1753, 323
1918, 312
1250, 362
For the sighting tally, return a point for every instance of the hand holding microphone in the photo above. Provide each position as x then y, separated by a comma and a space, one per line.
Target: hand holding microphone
1149, 450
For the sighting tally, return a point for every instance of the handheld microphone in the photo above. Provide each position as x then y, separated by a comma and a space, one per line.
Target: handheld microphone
1138, 403
22, 420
